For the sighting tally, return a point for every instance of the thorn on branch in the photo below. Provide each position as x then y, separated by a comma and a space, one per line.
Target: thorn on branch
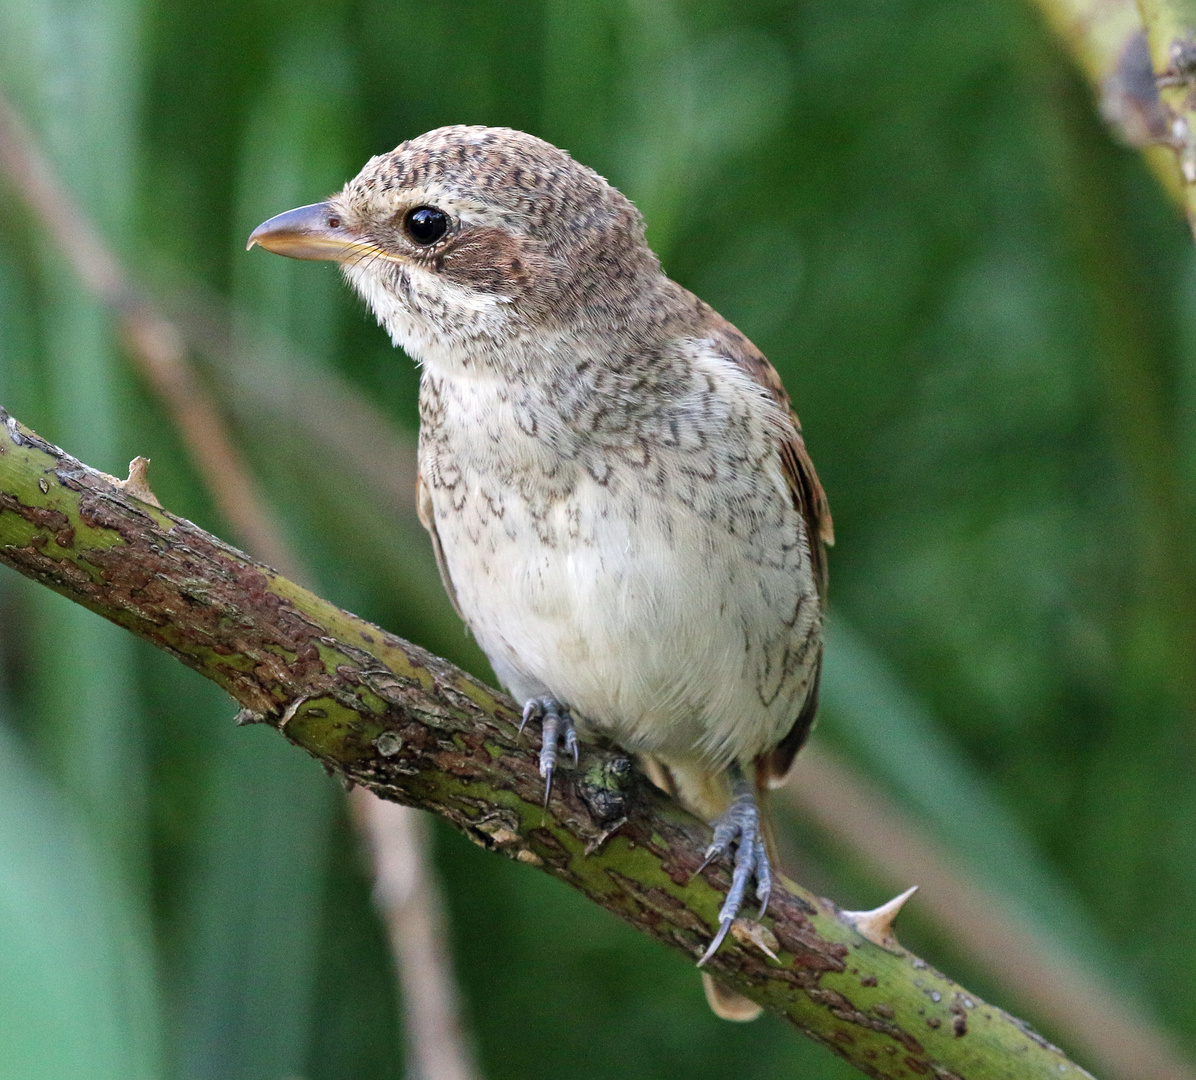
757, 935
877, 925
137, 484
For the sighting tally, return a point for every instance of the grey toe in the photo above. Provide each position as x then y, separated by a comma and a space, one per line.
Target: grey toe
557, 725
739, 828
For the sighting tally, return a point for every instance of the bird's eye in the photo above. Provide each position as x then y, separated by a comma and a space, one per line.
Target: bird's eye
334, 223
425, 224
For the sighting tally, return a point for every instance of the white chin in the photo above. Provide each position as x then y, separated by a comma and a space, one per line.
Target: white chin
438, 323
407, 330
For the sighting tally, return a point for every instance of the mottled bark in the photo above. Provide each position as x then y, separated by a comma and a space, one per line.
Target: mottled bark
385, 714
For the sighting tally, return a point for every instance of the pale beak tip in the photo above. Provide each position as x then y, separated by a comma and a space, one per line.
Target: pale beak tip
307, 232
255, 237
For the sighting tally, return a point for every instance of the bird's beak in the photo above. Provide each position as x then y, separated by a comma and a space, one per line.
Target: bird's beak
308, 232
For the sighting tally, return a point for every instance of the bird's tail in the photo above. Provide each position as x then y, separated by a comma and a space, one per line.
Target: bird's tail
707, 794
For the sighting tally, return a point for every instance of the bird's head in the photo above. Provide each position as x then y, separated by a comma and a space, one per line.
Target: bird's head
467, 241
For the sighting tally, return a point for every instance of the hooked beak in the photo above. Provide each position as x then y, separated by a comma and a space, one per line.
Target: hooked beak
308, 232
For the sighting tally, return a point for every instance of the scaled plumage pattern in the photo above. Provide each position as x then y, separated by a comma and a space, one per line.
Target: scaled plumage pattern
621, 503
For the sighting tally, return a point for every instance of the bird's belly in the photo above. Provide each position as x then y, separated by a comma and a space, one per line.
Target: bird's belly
659, 632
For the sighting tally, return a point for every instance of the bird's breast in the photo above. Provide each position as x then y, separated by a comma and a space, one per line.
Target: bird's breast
658, 589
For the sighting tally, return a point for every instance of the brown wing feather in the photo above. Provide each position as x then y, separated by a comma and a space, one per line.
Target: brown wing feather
772, 768
810, 500
427, 518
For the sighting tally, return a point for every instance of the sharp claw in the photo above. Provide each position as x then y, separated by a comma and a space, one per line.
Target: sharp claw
701, 866
712, 948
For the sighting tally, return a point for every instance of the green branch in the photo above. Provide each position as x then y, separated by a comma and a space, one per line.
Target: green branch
1171, 32
387, 715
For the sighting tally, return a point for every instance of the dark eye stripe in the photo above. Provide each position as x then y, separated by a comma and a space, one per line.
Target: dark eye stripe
425, 225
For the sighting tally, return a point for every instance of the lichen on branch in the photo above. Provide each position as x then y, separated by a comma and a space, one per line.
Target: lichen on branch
388, 715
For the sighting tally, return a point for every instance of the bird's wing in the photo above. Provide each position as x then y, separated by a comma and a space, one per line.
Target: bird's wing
810, 500
427, 518
808, 495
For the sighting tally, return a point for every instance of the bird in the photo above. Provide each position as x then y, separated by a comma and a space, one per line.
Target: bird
615, 483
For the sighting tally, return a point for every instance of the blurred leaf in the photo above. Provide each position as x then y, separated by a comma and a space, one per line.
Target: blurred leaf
82, 89
75, 68
692, 103
73, 954
868, 710
247, 998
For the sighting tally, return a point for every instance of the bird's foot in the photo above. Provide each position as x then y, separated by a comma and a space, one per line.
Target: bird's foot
740, 828
557, 726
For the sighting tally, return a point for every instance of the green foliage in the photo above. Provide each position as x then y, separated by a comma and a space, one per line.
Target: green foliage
984, 313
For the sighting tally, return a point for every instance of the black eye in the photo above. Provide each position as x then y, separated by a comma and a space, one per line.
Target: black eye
425, 224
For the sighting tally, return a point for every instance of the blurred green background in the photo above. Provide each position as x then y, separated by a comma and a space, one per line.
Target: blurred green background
985, 312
